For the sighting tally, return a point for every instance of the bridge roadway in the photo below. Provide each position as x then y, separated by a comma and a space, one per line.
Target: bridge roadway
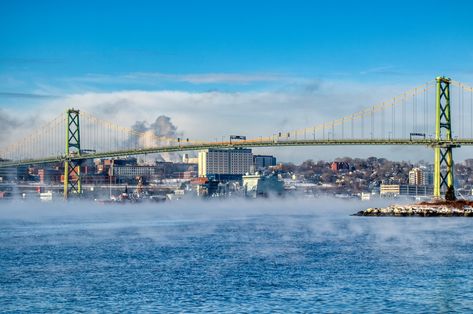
244, 144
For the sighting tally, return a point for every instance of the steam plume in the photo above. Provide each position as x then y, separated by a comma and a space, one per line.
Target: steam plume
158, 133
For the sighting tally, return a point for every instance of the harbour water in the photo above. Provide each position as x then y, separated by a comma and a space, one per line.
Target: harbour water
260, 256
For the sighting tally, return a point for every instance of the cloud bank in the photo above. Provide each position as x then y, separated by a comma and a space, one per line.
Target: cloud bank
214, 115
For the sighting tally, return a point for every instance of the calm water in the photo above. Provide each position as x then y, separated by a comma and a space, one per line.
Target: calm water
231, 257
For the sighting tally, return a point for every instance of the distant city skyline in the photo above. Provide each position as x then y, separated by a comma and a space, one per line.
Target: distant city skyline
218, 68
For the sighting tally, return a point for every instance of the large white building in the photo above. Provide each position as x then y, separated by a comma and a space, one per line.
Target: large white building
225, 162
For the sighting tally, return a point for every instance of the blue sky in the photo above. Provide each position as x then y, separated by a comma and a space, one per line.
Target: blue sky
47, 41
53, 49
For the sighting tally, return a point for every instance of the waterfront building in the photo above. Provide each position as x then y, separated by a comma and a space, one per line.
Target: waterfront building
428, 176
419, 176
416, 177
390, 189
189, 160
207, 188
19, 173
256, 185
365, 196
405, 189
262, 162
224, 164
50, 175
175, 170
134, 171
105, 166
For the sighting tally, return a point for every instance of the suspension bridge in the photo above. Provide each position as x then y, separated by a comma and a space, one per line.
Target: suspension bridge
421, 116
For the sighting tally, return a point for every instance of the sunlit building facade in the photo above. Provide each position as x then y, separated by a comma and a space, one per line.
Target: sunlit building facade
231, 163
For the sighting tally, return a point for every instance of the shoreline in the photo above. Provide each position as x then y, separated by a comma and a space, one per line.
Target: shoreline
460, 208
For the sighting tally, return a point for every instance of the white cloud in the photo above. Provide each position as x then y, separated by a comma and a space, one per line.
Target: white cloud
204, 115
211, 115
192, 78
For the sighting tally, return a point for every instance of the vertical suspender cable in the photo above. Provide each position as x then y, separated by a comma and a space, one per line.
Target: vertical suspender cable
459, 111
414, 116
382, 122
372, 123
463, 111
403, 116
393, 118
352, 127
426, 110
362, 124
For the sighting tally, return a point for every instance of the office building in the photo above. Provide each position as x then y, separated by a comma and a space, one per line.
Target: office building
225, 164
262, 162
134, 171
419, 176
405, 190
416, 177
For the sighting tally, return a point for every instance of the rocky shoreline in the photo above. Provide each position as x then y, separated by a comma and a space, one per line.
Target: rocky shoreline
426, 209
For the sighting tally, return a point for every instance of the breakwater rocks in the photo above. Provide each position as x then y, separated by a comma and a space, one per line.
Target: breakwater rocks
425, 209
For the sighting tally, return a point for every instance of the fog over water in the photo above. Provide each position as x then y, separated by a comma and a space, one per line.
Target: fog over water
259, 255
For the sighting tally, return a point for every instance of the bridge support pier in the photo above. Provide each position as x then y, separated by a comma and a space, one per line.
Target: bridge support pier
443, 161
72, 179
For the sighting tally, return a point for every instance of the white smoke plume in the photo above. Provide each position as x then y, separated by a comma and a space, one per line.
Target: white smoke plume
159, 133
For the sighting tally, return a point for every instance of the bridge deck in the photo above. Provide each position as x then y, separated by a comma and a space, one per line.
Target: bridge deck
243, 144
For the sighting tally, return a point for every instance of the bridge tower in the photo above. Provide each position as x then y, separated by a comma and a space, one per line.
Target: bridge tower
443, 161
72, 179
